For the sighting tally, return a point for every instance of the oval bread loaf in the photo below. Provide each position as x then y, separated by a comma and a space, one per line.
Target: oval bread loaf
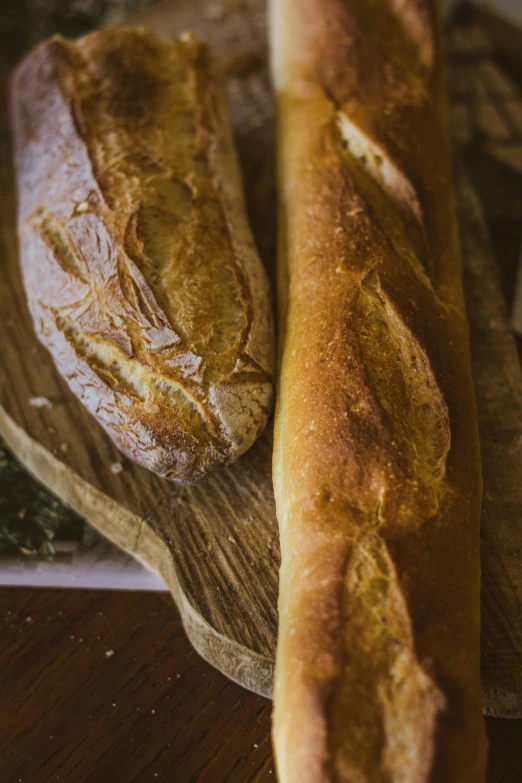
140, 270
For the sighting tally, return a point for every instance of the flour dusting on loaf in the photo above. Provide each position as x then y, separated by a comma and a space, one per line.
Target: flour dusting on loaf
139, 266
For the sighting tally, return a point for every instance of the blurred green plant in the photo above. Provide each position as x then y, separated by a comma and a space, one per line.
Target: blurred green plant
30, 517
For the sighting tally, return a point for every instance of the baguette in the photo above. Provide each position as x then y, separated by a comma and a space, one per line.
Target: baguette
140, 270
376, 456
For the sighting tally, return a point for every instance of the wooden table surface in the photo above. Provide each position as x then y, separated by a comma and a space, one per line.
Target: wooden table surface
98, 687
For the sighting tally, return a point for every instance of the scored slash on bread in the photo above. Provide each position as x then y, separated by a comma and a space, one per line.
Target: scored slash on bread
140, 269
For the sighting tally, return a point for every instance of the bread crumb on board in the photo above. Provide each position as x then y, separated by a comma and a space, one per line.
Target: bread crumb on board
40, 402
108, 653
116, 467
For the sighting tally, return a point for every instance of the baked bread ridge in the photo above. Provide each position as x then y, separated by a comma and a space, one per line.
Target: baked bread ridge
376, 456
140, 269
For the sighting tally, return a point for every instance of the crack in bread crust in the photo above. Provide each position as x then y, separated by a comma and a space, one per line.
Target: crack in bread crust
404, 384
58, 241
395, 741
129, 376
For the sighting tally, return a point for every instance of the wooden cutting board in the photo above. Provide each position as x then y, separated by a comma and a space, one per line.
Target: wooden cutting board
216, 544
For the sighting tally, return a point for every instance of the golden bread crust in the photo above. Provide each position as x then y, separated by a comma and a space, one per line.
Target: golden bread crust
376, 460
140, 269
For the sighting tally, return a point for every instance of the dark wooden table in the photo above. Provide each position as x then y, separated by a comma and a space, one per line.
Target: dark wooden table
98, 687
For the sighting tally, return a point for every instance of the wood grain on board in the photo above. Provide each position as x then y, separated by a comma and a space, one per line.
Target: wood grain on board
498, 391
216, 544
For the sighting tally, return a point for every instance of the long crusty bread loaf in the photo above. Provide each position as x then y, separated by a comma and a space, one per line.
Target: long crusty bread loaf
376, 463
140, 269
